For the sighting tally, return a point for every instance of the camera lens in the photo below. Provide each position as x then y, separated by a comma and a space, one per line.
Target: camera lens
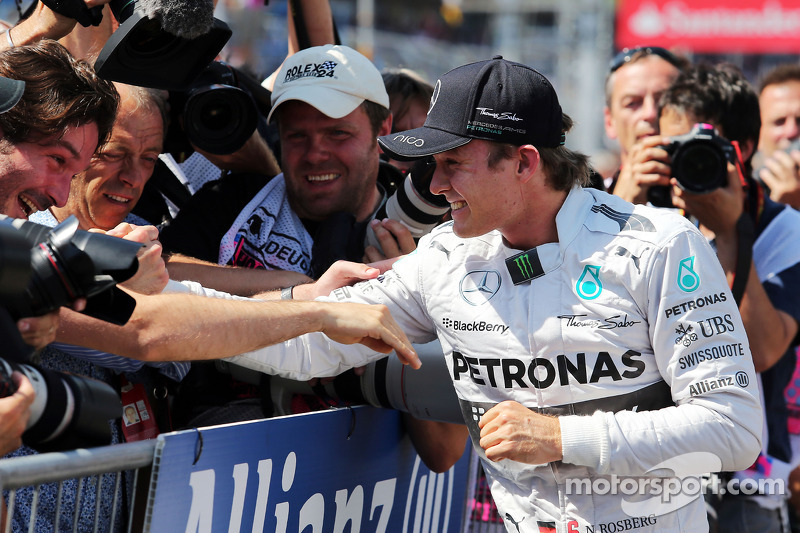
413, 204
68, 412
67, 263
122, 8
702, 167
215, 115
219, 118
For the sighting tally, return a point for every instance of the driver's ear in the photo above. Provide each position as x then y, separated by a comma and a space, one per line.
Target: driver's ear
528, 160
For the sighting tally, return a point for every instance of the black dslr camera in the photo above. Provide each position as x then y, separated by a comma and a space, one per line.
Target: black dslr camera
65, 263
42, 269
699, 163
218, 112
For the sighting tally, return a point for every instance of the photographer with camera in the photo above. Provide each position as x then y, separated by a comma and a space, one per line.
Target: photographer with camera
332, 181
758, 244
779, 143
36, 332
636, 78
64, 113
48, 131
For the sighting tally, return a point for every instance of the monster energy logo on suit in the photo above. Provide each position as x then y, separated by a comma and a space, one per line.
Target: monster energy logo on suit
524, 266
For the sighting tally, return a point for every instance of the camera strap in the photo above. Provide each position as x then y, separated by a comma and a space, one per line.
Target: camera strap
746, 236
745, 227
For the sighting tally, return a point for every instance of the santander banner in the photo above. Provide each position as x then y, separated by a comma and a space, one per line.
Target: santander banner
709, 26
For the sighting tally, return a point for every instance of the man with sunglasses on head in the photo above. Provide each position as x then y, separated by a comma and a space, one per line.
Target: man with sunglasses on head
635, 81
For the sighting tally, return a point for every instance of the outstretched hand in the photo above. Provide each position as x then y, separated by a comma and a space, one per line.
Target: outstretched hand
39, 331
44, 23
370, 325
339, 274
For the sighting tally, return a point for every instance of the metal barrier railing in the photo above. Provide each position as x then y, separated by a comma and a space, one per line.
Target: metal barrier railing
83, 464
22, 478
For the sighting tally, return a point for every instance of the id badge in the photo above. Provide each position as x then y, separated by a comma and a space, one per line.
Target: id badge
138, 420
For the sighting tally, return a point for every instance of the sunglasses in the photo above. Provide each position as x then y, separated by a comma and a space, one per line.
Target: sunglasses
626, 54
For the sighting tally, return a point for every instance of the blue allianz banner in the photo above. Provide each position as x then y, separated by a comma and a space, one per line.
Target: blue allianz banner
331, 471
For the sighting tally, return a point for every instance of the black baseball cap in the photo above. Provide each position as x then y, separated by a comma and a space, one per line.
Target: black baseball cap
494, 100
10, 93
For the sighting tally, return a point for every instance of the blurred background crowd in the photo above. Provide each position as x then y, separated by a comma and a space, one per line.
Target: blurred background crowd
569, 42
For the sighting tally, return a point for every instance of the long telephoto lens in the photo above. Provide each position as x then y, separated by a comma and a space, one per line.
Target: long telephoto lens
69, 411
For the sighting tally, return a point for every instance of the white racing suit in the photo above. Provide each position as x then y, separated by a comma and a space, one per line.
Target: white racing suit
626, 329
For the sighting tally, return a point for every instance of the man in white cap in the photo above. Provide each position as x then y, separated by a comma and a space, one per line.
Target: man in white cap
330, 105
559, 309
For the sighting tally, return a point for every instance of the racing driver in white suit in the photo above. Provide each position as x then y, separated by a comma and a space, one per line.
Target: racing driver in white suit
594, 346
